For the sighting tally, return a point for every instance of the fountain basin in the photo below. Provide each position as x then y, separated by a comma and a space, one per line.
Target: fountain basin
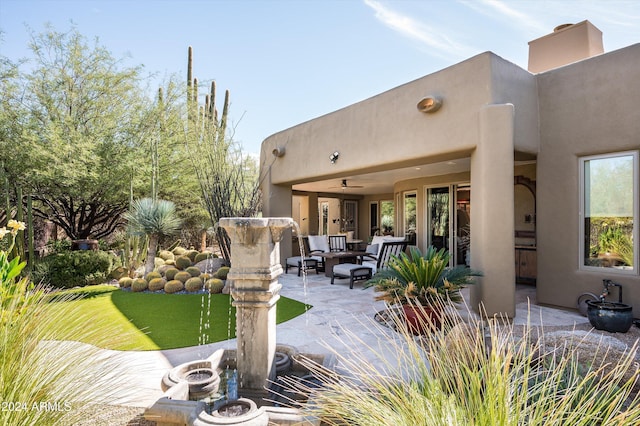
201, 376
179, 406
610, 316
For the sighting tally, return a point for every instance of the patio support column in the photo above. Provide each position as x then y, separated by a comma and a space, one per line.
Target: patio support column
277, 202
492, 227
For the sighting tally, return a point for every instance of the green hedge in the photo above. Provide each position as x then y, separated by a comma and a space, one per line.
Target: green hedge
78, 268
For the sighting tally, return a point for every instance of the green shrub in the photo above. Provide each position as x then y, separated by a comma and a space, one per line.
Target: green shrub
182, 276
173, 286
179, 251
191, 254
222, 273
170, 273
139, 284
125, 282
78, 268
183, 262
214, 285
166, 255
153, 274
193, 284
193, 270
156, 284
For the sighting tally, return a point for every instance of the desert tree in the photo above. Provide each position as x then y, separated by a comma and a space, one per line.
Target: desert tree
83, 122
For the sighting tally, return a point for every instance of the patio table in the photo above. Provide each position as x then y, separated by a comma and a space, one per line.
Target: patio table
333, 258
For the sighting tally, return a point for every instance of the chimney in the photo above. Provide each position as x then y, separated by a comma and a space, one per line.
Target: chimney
567, 43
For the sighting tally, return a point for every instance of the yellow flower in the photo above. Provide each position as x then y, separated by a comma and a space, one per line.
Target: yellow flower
3, 232
16, 226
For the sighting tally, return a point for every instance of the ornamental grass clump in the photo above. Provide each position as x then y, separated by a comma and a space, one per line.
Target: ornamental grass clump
481, 372
45, 381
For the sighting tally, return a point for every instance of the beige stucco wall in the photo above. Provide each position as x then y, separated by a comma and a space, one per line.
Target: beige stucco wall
416, 137
564, 46
588, 108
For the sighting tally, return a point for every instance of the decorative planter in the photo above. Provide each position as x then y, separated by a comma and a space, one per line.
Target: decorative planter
421, 319
610, 316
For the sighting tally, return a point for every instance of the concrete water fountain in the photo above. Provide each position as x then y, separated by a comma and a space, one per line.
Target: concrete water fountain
255, 268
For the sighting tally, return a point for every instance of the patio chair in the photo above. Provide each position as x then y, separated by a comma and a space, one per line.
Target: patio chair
365, 270
338, 242
314, 244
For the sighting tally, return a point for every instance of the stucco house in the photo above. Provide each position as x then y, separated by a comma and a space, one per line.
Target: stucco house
542, 163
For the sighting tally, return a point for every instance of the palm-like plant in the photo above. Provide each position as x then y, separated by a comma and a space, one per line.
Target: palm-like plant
155, 219
421, 278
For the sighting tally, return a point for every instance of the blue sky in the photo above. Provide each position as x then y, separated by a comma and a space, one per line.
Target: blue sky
286, 62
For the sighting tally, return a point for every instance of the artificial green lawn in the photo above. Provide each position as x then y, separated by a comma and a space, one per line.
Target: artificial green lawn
152, 321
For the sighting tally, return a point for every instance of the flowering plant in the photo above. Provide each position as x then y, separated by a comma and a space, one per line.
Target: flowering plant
10, 269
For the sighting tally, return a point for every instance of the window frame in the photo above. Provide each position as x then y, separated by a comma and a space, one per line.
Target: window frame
636, 214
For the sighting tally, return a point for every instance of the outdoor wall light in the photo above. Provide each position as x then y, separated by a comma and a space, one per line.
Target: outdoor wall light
334, 157
278, 151
429, 104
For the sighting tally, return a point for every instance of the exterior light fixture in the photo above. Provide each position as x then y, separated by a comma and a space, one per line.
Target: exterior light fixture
429, 104
278, 151
334, 157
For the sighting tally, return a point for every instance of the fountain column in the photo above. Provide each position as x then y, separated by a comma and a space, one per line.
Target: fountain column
255, 268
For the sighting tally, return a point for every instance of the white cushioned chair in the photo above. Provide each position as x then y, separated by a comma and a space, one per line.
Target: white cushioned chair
365, 270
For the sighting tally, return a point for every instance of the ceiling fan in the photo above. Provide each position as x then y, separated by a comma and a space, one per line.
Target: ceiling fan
344, 185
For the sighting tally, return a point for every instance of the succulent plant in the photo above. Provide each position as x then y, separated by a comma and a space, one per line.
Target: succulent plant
193, 270
163, 269
222, 273
158, 262
205, 276
214, 285
173, 286
153, 274
193, 284
191, 254
182, 276
166, 255
157, 284
203, 256
170, 262
179, 251
125, 282
183, 262
170, 273
139, 284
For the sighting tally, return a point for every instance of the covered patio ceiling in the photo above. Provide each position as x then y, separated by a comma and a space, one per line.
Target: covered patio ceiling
382, 182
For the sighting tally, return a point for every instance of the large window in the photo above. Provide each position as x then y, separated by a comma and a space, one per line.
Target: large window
409, 218
609, 211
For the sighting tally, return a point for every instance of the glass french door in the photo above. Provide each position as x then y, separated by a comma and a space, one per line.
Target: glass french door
447, 214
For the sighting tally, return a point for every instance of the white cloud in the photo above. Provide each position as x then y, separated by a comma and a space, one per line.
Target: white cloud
501, 11
429, 36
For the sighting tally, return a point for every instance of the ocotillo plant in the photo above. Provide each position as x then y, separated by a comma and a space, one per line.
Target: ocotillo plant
228, 179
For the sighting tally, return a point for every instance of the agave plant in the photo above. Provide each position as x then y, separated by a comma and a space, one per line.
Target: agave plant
421, 278
155, 219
